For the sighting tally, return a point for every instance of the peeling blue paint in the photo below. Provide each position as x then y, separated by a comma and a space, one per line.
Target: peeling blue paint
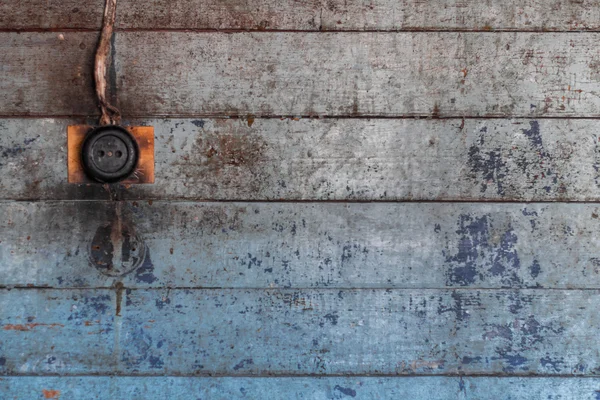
162, 302
332, 318
518, 302
473, 234
514, 362
91, 308
252, 261
461, 385
556, 365
16, 149
471, 360
347, 391
156, 362
535, 269
489, 164
462, 302
243, 364
137, 349
533, 133
145, 272
483, 252
506, 260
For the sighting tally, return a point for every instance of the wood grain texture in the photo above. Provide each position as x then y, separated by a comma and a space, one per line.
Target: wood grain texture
301, 245
317, 388
325, 159
299, 332
309, 74
149, 286
49, 14
47, 68
310, 15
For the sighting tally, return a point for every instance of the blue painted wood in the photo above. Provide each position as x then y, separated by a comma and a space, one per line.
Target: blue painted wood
299, 332
264, 245
330, 388
50, 332
308, 290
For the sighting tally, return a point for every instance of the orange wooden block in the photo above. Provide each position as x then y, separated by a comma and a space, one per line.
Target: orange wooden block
144, 170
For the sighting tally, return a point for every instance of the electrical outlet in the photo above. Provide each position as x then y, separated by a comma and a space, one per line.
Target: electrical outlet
110, 154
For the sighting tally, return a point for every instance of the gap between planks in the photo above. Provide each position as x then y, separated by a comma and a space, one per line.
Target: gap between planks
267, 31
181, 200
298, 288
327, 375
244, 117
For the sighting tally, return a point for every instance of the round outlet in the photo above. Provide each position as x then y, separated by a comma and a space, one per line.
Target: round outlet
109, 154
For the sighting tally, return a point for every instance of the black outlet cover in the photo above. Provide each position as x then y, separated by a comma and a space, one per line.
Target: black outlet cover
109, 154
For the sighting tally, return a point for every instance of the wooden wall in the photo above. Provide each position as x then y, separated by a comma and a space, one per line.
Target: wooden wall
383, 199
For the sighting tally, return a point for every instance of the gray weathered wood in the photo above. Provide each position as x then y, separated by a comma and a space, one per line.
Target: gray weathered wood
299, 332
326, 159
51, 14
542, 15
47, 73
318, 388
333, 74
300, 245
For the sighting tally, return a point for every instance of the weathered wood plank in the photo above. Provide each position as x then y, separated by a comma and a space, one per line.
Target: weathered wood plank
333, 74
167, 14
47, 73
326, 159
310, 15
318, 388
298, 245
48, 332
300, 332
51, 14
543, 15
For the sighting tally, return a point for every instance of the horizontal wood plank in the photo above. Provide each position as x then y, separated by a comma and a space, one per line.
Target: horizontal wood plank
325, 159
299, 332
47, 73
308, 74
49, 332
300, 245
318, 388
310, 15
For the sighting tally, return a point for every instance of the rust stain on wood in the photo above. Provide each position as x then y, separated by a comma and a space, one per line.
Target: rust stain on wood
231, 150
119, 287
51, 394
28, 327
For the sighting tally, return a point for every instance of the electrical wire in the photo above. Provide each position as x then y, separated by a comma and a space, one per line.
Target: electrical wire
110, 114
